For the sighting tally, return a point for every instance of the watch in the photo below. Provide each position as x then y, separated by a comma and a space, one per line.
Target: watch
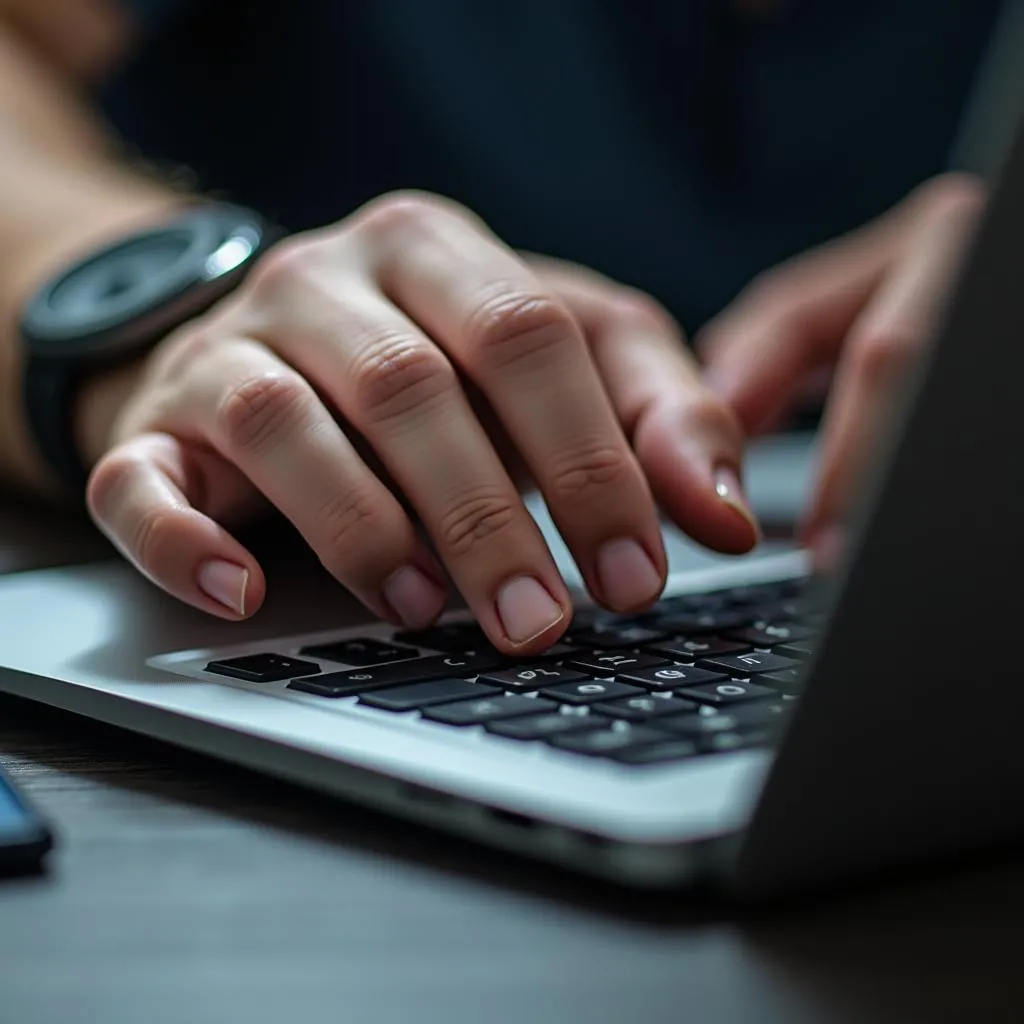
117, 303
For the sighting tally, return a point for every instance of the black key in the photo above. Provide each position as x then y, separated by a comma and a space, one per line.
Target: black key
538, 727
262, 668
758, 593
690, 650
668, 677
804, 649
790, 681
422, 695
724, 741
590, 690
532, 677
658, 753
612, 636
703, 623
600, 742
640, 709
487, 709
696, 726
416, 670
610, 663
731, 692
360, 651
771, 634
557, 652
737, 717
744, 665
454, 636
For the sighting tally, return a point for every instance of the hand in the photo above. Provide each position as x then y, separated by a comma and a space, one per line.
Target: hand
351, 382
860, 307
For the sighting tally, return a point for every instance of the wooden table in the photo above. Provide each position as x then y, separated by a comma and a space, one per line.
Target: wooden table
187, 891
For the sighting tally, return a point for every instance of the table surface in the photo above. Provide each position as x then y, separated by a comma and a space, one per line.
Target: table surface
186, 890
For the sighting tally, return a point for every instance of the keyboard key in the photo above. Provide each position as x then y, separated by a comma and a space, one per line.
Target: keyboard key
690, 650
790, 681
589, 691
668, 677
359, 651
600, 742
452, 637
539, 727
744, 665
658, 753
611, 636
532, 677
732, 692
610, 663
725, 741
416, 670
262, 668
802, 650
640, 709
487, 709
771, 634
703, 623
421, 695
758, 593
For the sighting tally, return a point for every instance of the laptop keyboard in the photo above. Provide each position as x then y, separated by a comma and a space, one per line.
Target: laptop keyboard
695, 676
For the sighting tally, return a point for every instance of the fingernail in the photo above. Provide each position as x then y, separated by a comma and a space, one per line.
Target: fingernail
526, 609
225, 582
730, 490
416, 600
626, 573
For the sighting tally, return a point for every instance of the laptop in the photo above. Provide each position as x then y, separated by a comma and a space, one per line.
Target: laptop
757, 729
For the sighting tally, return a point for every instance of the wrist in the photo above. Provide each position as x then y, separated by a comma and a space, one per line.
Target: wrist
99, 399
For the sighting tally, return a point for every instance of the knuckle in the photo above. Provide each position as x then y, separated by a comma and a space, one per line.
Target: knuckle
285, 267
476, 519
400, 213
516, 325
591, 467
107, 483
952, 195
636, 308
153, 539
256, 413
705, 415
879, 355
352, 529
395, 374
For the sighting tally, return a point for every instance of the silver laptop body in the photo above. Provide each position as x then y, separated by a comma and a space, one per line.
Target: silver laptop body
903, 745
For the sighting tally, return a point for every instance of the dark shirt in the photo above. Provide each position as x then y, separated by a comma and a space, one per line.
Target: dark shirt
681, 147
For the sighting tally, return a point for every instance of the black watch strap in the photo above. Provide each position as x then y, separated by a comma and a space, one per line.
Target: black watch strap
48, 394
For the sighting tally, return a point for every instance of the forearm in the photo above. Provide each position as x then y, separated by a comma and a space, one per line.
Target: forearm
62, 191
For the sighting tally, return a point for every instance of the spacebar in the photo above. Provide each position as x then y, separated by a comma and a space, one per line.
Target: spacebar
419, 670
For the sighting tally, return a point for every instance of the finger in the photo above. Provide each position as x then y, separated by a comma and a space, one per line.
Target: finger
789, 325
689, 444
402, 395
263, 417
518, 343
148, 494
883, 344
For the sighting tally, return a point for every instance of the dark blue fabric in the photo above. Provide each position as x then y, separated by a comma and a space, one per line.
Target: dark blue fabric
573, 127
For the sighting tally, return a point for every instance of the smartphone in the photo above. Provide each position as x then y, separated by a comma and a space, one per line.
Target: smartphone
25, 838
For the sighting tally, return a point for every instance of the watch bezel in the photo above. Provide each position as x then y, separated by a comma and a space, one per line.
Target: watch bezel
219, 244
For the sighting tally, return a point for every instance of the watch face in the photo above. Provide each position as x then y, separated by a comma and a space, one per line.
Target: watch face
124, 297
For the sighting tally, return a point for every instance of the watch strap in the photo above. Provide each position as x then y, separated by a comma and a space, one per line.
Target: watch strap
48, 391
